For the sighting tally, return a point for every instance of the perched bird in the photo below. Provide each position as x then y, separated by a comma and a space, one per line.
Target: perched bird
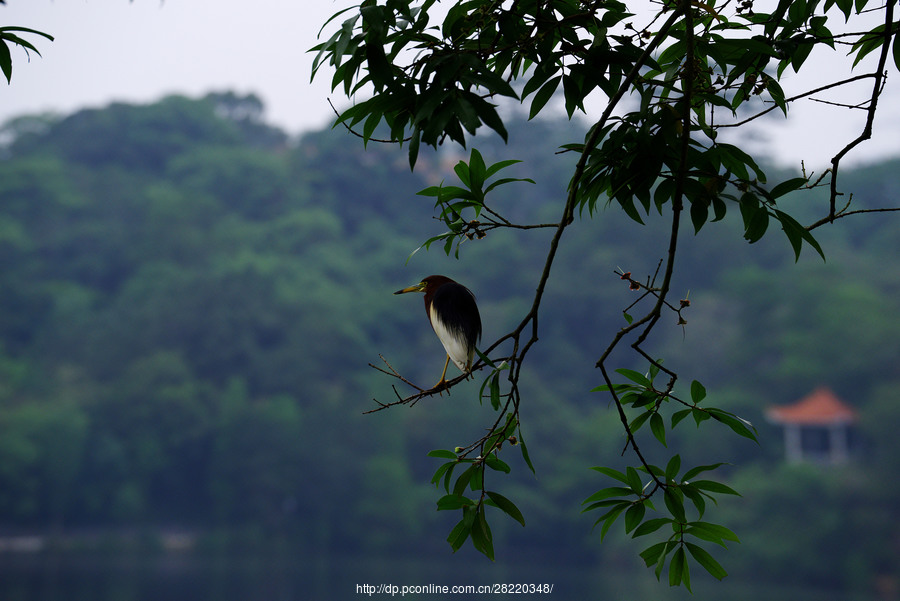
454, 316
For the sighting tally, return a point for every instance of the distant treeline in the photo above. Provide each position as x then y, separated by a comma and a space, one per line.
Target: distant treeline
189, 300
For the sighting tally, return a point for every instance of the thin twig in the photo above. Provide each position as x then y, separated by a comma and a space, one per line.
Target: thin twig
844, 213
797, 97
359, 135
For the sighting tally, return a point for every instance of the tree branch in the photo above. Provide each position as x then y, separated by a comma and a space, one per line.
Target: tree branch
873, 105
652, 317
824, 88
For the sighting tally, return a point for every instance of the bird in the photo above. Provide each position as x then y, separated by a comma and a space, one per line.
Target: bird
453, 314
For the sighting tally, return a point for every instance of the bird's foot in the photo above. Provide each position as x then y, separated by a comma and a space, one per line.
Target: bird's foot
440, 386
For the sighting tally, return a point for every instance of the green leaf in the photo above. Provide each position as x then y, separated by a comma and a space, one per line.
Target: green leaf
463, 480
491, 82
636, 377
845, 6
673, 467
736, 160
461, 531
5, 60
634, 480
639, 421
442, 454
9, 28
543, 96
493, 169
542, 73
719, 208
698, 392
788, 186
462, 172
662, 563
525, 456
451, 502
688, 475
572, 92
5, 54
655, 554
414, 143
607, 493
654, 470
477, 169
756, 225
610, 517
650, 526
873, 40
447, 476
476, 482
713, 486
699, 415
507, 506
481, 535
615, 474
675, 505
489, 116
699, 214
511, 424
797, 234
495, 391
603, 505
441, 472
633, 516
627, 205
707, 561
507, 180
896, 49
737, 424
696, 498
679, 571
647, 397
495, 463
658, 427
483, 357
710, 532
679, 415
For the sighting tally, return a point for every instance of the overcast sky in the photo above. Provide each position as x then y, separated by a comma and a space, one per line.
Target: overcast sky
116, 50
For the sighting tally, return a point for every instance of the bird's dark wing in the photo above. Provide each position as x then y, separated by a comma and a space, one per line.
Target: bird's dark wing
455, 305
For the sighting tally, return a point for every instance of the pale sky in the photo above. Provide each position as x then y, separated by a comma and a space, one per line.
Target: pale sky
140, 51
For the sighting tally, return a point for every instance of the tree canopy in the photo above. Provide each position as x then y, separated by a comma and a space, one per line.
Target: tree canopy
673, 77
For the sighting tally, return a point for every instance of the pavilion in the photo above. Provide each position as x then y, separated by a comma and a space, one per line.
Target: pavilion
818, 428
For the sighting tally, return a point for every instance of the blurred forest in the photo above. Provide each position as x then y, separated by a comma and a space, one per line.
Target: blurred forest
189, 300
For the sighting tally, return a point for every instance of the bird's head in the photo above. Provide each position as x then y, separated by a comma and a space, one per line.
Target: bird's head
431, 283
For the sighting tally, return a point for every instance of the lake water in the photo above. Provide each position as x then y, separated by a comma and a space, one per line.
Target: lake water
177, 577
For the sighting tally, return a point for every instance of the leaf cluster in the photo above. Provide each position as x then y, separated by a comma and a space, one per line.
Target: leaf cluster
633, 501
10, 35
635, 498
473, 524
463, 209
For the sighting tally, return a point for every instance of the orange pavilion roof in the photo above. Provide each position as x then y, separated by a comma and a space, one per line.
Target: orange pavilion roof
821, 407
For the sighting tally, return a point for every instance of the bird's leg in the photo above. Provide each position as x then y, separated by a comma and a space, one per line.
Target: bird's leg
442, 382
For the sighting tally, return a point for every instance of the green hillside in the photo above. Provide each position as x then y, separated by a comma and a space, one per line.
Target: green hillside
189, 301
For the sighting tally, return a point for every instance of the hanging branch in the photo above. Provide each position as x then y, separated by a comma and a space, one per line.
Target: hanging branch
648, 321
866, 133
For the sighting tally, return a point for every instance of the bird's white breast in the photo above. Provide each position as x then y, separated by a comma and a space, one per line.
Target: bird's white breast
454, 343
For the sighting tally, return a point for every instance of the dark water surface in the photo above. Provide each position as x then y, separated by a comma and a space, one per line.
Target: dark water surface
174, 577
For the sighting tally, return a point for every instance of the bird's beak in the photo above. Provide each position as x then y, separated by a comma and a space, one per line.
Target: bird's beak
416, 288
